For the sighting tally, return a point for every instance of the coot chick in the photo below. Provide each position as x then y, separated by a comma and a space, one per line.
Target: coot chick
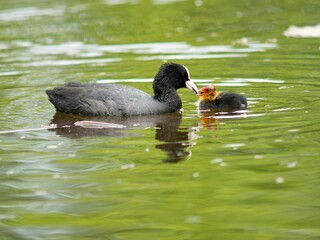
94, 99
210, 98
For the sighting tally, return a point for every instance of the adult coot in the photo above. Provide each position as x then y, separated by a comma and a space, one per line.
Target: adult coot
210, 98
118, 100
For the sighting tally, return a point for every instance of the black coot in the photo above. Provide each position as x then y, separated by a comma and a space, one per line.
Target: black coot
210, 98
118, 100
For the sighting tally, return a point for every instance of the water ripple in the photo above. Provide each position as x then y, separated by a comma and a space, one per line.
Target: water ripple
190, 56
237, 82
20, 14
181, 48
70, 62
42, 55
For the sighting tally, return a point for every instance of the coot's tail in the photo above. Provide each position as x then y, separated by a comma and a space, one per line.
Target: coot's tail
54, 99
50, 94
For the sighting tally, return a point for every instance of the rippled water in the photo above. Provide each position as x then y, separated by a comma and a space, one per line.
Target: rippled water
252, 174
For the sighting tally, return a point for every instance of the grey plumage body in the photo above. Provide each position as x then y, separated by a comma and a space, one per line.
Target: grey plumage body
106, 100
94, 99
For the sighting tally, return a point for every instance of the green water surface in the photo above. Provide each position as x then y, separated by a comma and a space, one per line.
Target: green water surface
252, 175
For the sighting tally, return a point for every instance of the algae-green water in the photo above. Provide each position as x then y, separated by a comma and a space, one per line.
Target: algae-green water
190, 175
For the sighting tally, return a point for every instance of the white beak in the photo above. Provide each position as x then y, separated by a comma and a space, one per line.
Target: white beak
191, 86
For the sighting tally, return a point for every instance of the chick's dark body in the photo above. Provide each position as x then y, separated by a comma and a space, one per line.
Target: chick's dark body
226, 101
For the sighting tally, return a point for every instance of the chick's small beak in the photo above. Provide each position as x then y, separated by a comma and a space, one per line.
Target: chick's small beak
191, 86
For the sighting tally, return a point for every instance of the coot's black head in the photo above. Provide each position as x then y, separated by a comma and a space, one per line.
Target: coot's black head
173, 75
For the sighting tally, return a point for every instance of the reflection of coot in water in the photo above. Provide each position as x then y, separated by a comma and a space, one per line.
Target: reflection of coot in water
66, 125
176, 143
211, 99
172, 141
119, 100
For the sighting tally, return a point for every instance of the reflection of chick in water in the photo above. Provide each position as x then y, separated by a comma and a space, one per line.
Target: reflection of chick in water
208, 120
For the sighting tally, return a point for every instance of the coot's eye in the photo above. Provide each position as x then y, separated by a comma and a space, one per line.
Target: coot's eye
185, 74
